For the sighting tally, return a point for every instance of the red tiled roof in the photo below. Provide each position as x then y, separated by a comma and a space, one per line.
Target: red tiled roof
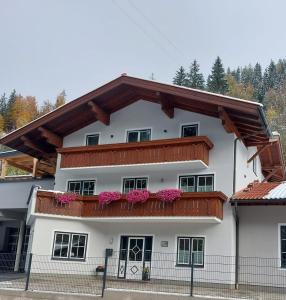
255, 190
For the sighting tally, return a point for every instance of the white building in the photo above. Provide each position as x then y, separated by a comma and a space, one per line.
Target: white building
139, 134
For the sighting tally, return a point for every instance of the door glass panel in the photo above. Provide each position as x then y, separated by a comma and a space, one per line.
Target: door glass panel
135, 249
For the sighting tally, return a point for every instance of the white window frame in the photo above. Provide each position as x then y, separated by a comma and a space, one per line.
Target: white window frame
189, 124
187, 176
280, 247
196, 175
198, 179
81, 180
135, 177
191, 238
92, 133
137, 129
71, 235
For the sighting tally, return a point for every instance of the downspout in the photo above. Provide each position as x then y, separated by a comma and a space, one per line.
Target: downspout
236, 217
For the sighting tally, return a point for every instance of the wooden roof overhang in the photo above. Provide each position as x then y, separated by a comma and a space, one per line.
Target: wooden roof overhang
43, 136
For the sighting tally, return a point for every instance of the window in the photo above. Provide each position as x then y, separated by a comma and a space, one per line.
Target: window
188, 246
187, 183
196, 183
12, 234
82, 187
130, 184
189, 130
138, 135
92, 139
283, 245
205, 184
69, 245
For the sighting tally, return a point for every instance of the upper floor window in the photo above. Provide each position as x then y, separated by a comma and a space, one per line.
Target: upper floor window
138, 135
188, 247
130, 184
69, 245
82, 187
189, 130
92, 139
196, 183
283, 245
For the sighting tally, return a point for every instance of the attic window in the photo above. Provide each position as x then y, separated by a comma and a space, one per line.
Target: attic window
92, 139
189, 130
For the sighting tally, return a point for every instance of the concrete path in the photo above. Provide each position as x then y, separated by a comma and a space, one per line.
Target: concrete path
109, 295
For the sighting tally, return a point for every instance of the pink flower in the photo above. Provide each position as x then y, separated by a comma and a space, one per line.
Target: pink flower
137, 196
64, 198
108, 197
168, 195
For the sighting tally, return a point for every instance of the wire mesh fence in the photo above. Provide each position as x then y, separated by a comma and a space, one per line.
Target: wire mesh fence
146, 271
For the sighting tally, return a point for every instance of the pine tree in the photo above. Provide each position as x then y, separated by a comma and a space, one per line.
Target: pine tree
270, 78
46, 108
180, 77
195, 79
258, 83
247, 75
216, 81
61, 99
9, 123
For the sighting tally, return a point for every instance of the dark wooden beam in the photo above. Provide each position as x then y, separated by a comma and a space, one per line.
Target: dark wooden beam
167, 105
273, 172
51, 137
258, 152
227, 123
100, 114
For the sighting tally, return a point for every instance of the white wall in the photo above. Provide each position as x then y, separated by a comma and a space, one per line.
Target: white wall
144, 114
260, 245
107, 235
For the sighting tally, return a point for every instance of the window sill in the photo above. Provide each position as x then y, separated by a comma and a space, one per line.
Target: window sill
69, 259
189, 266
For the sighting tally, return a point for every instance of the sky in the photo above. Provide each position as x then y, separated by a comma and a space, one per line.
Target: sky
77, 45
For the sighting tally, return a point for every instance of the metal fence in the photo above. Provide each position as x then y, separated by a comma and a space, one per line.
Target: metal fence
207, 276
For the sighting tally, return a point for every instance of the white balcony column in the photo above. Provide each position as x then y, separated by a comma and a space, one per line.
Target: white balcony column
19, 245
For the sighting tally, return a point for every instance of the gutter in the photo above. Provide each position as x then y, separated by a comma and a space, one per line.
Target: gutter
235, 202
264, 121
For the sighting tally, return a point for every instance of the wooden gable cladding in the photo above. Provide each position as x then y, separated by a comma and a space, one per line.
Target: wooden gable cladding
244, 118
156, 151
203, 204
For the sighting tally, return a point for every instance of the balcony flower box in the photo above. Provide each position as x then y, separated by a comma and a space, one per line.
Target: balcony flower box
65, 198
137, 196
168, 195
105, 198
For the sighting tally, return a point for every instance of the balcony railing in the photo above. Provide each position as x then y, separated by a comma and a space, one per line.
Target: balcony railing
149, 152
196, 204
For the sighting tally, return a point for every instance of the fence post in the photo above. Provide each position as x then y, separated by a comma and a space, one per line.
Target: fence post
192, 275
29, 271
108, 253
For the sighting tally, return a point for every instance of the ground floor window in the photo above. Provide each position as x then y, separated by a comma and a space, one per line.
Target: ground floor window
69, 245
283, 245
188, 247
82, 187
196, 183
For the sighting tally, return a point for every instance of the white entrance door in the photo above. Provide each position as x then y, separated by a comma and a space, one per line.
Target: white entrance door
135, 258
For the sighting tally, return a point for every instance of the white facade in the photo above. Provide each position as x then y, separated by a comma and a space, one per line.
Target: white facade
219, 238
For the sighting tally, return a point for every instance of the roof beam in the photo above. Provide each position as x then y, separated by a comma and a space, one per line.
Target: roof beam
273, 172
258, 152
100, 114
167, 105
227, 122
51, 137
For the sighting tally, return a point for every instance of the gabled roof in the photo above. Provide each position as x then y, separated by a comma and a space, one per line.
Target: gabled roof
261, 193
42, 137
245, 118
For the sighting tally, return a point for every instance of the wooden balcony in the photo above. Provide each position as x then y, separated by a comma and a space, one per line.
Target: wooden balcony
204, 204
149, 152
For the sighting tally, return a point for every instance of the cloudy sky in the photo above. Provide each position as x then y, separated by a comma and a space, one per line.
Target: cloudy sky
77, 45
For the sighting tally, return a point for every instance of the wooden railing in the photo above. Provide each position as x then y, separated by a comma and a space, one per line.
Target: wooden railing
157, 151
203, 204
